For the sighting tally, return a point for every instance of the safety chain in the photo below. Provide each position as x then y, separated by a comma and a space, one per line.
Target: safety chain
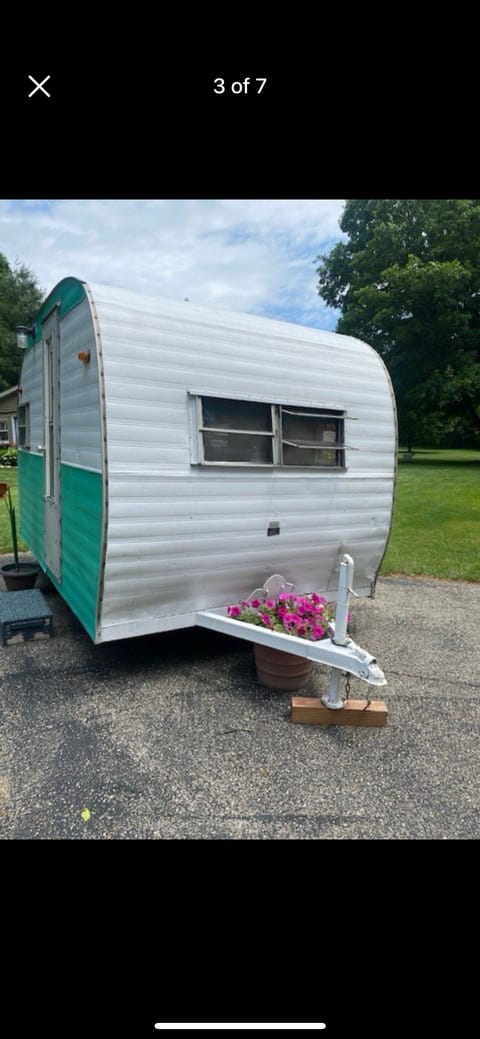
347, 690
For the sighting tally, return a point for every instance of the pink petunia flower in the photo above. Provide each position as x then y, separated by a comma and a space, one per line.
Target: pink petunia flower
291, 618
305, 616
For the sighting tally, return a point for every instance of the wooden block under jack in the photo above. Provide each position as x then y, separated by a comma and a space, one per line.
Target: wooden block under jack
309, 710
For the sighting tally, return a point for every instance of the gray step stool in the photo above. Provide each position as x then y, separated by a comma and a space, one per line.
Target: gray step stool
24, 613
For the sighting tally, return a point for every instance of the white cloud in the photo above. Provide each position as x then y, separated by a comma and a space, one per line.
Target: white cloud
248, 254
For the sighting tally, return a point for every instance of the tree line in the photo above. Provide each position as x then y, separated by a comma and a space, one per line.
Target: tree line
20, 300
407, 280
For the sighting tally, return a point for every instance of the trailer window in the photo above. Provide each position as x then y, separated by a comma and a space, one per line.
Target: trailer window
236, 432
312, 437
24, 425
240, 432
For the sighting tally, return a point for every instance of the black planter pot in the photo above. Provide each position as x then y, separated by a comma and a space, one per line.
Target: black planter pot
19, 580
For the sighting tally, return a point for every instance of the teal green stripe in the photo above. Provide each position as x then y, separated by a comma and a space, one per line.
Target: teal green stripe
81, 532
30, 488
67, 294
81, 500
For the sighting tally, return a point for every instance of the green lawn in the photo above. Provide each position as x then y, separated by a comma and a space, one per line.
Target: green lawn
436, 520
9, 474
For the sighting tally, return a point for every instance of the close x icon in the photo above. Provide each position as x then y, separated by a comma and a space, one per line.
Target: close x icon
39, 87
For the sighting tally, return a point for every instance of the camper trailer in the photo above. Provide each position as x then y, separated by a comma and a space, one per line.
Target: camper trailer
174, 456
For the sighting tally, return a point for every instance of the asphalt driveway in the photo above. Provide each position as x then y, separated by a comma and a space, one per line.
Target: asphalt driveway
170, 736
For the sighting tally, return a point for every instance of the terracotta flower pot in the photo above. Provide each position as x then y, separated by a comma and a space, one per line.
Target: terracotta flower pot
279, 670
19, 580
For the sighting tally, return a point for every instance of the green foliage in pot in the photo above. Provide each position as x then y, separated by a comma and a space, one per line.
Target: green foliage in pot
5, 493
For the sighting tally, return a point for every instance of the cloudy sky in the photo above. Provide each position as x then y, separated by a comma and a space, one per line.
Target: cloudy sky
248, 255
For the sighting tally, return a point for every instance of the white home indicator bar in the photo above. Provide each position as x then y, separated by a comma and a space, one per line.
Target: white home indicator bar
245, 1026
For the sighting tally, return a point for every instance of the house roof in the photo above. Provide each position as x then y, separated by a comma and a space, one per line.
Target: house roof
5, 393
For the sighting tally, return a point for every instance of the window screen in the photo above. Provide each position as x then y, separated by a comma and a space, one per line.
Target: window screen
240, 432
236, 431
312, 438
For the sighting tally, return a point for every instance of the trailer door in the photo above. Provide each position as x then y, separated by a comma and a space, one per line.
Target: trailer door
51, 386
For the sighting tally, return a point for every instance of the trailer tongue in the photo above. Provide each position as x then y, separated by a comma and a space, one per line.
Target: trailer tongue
339, 652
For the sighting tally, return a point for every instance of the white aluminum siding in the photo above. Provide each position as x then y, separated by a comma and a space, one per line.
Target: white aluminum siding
32, 394
81, 439
81, 433
184, 538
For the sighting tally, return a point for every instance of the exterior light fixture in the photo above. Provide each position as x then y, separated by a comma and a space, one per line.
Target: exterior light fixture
84, 356
22, 333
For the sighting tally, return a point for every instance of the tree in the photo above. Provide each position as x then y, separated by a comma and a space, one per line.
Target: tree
20, 299
407, 281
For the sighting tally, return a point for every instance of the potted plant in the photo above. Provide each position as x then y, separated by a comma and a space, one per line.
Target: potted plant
17, 575
305, 616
